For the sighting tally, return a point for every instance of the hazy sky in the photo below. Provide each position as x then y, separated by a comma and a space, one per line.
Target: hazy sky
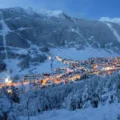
90, 9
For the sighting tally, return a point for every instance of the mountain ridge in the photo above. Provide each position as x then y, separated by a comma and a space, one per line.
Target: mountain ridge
33, 37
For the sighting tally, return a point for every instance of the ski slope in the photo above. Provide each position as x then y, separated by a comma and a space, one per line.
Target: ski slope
114, 31
84, 54
4, 32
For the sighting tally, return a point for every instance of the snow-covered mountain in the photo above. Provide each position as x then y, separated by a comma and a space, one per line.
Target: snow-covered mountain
113, 20
28, 37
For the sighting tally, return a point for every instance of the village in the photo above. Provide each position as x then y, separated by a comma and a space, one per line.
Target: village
76, 70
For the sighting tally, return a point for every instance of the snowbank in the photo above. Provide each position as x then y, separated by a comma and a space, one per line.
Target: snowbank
108, 112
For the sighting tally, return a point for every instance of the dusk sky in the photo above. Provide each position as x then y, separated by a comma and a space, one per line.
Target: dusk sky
88, 9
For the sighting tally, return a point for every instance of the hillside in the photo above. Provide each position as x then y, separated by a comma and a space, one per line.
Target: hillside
28, 37
96, 96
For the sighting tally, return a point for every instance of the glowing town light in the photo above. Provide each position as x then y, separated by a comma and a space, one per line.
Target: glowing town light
7, 80
9, 91
107, 68
95, 66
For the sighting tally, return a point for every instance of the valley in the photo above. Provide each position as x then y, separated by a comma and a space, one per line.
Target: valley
76, 70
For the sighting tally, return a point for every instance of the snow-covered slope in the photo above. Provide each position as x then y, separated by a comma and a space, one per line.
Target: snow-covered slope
28, 37
97, 98
114, 31
4, 32
74, 54
45, 12
90, 99
113, 20
50, 13
107, 112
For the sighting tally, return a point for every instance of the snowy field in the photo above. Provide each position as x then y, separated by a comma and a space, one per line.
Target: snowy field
89, 52
108, 112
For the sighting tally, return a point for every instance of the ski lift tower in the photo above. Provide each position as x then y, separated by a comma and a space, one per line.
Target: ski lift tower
51, 64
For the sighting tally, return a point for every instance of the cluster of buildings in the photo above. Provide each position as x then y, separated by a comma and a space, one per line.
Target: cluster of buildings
76, 70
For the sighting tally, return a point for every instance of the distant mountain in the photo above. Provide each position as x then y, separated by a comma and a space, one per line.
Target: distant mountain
113, 20
28, 37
